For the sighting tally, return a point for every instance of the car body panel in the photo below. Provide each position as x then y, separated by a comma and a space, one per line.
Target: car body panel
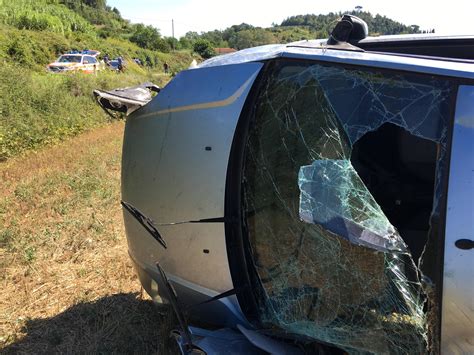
458, 285
163, 183
223, 311
202, 245
164, 140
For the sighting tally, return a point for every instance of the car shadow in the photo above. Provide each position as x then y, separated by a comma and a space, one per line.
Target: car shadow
120, 323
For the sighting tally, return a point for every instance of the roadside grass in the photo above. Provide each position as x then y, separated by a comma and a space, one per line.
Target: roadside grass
67, 282
35, 49
38, 109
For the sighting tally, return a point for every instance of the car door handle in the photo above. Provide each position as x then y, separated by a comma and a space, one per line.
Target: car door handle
464, 244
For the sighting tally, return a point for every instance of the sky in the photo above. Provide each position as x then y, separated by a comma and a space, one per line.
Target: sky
207, 15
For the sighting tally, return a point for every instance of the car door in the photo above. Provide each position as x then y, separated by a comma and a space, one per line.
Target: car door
342, 191
89, 64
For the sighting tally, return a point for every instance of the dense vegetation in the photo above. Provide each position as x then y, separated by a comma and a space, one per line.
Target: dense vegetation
36, 107
34, 32
294, 28
91, 23
378, 24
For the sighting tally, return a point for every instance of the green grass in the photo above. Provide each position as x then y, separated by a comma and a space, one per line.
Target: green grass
39, 108
67, 281
42, 15
35, 49
35, 32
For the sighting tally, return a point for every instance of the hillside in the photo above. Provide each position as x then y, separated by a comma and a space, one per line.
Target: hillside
295, 28
67, 282
39, 108
34, 32
378, 24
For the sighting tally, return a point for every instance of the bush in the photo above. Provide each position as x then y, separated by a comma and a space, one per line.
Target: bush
149, 37
41, 15
38, 108
36, 49
204, 48
42, 108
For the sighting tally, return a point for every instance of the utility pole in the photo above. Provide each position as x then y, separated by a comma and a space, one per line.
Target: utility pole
172, 31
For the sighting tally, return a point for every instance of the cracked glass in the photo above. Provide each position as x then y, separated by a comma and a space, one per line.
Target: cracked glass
335, 197
330, 263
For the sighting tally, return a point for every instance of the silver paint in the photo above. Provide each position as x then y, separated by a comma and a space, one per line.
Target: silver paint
174, 165
457, 330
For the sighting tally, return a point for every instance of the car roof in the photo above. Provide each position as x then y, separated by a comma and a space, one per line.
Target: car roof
455, 47
318, 50
89, 52
415, 36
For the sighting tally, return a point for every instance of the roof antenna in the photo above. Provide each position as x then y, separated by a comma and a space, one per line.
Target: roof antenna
349, 29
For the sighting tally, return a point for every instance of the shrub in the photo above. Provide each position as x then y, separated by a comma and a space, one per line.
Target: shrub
38, 108
204, 48
42, 108
36, 49
41, 15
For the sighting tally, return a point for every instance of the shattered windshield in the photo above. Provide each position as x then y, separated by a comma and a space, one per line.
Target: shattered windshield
342, 177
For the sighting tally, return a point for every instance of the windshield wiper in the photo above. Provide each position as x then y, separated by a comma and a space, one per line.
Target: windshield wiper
146, 222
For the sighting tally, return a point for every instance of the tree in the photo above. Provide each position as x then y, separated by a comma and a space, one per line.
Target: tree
191, 36
251, 38
96, 4
204, 48
294, 28
173, 42
146, 36
185, 43
415, 28
215, 37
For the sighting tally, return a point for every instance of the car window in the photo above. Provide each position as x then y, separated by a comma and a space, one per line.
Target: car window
69, 59
90, 60
343, 175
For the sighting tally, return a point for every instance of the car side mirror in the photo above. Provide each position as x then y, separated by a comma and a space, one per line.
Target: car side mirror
85, 62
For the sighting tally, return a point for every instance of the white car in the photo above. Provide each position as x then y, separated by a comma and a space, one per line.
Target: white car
85, 61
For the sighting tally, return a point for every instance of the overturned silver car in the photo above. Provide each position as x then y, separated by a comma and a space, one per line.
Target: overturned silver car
313, 197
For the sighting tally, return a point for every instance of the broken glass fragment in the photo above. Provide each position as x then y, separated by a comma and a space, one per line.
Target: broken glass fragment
334, 196
364, 101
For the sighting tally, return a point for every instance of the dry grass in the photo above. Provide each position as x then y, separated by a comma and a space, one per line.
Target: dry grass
67, 282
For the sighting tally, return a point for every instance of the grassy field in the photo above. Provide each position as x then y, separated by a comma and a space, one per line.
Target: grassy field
67, 282
38, 109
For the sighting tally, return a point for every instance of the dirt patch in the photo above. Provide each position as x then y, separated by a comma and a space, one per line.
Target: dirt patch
67, 281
